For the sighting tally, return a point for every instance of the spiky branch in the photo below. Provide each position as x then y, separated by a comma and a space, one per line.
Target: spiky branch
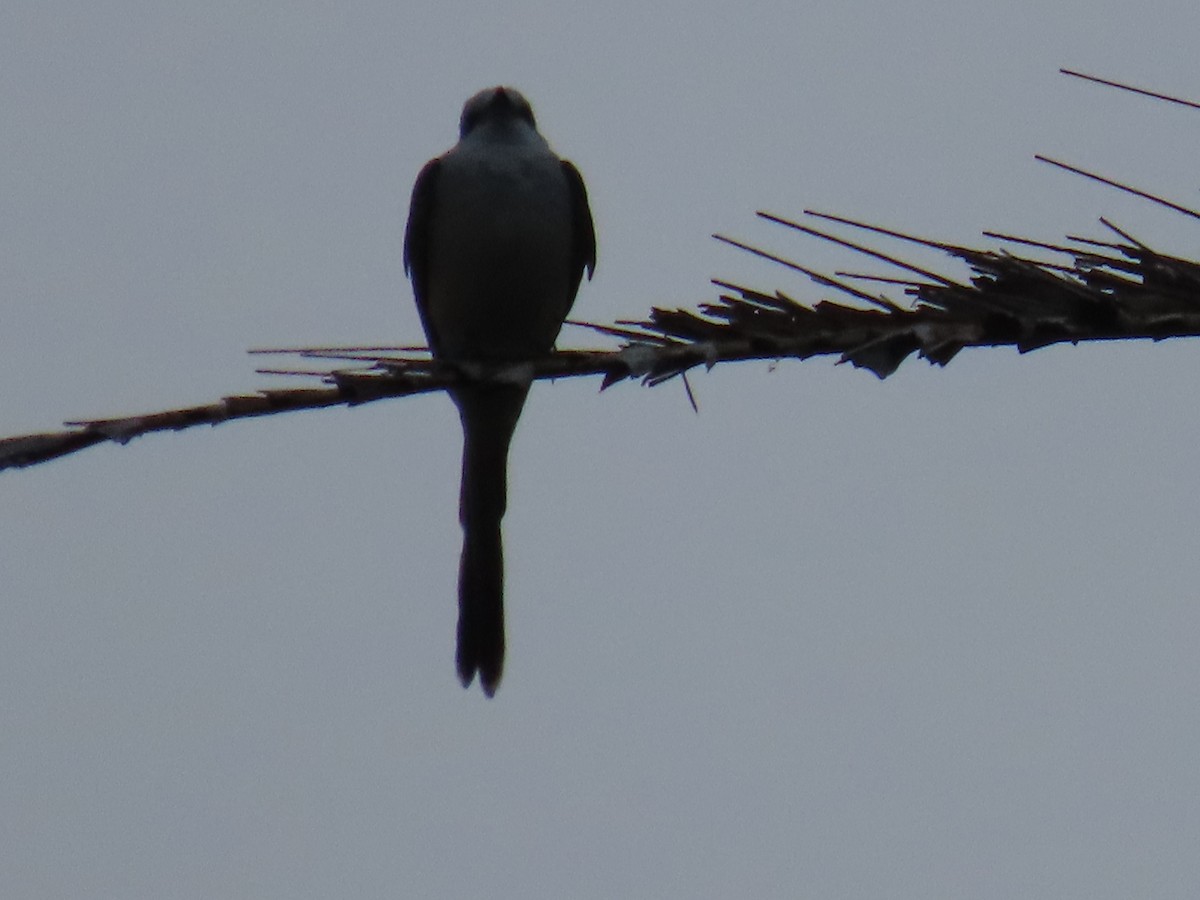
1079, 290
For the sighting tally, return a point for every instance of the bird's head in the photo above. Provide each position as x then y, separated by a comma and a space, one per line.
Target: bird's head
497, 106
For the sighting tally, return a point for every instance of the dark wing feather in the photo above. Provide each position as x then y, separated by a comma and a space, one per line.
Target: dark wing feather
416, 241
583, 233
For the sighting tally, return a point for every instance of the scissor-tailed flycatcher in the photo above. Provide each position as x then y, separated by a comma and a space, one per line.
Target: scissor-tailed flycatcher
499, 235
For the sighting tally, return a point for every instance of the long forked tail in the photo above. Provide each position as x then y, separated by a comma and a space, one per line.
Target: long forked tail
489, 415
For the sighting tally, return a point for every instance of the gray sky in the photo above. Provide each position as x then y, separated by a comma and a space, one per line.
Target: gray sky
931, 637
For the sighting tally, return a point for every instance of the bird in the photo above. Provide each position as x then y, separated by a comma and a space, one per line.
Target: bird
498, 238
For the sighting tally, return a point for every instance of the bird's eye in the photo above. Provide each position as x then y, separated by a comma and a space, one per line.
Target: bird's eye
470, 118
525, 111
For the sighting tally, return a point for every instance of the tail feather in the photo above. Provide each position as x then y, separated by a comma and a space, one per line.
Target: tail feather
489, 416
481, 607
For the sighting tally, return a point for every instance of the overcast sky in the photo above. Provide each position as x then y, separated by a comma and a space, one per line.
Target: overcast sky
832, 637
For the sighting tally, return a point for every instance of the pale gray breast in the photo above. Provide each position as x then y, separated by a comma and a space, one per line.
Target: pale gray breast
500, 251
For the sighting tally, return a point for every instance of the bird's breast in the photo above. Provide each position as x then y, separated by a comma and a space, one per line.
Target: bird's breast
500, 255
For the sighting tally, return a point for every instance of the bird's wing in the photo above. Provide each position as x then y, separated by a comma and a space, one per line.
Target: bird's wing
416, 242
583, 233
